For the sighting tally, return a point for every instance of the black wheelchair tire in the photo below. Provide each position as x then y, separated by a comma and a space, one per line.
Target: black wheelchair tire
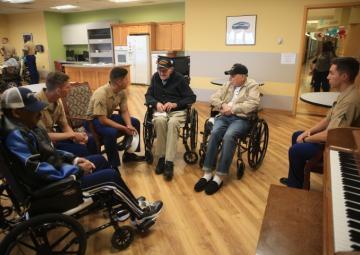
39, 224
257, 144
193, 129
122, 238
240, 169
190, 157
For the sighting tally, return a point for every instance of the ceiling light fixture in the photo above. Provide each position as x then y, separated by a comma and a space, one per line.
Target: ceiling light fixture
64, 7
17, 1
312, 21
123, 1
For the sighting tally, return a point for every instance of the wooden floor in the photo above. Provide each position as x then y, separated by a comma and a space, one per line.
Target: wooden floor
193, 223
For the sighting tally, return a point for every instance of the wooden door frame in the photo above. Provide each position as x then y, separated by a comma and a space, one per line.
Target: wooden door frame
302, 45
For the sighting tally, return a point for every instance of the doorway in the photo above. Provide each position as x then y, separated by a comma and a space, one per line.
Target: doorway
337, 25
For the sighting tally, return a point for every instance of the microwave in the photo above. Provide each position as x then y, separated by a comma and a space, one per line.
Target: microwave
121, 54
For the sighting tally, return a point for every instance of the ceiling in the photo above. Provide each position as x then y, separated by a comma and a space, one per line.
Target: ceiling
84, 5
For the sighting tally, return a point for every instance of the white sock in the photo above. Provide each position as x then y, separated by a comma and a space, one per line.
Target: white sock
207, 176
217, 179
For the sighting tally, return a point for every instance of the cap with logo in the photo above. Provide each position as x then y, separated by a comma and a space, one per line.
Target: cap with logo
237, 69
164, 63
16, 98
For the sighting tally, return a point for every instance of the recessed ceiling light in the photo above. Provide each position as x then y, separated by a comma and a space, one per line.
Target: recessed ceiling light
17, 1
64, 7
123, 1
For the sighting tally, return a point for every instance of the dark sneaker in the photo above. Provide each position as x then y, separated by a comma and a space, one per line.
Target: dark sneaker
160, 166
132, 157
284, 180
212, 187
168, 171
151, 210
201, 184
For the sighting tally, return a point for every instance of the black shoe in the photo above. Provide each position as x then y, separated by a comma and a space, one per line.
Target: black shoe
201, 184
212, 187
168, 171
284, 180
132, 157
160, 166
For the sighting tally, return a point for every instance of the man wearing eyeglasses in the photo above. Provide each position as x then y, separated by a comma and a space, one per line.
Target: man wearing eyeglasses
169, 94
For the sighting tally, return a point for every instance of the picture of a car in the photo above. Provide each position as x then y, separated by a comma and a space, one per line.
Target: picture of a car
241, 25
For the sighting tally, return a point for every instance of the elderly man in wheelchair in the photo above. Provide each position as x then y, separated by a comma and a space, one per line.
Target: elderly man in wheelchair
56, 181
169, 100
237, 102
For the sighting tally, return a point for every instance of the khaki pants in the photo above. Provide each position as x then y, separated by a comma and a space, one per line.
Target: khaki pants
167, 133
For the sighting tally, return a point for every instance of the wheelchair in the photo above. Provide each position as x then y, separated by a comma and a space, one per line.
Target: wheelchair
255, 143
40, 222
190, 129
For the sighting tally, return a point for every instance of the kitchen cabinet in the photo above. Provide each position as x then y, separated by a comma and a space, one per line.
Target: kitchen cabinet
121, 31
74, 34
169, 36
95, 75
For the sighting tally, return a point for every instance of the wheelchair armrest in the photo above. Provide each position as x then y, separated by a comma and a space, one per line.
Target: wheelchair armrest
54, 188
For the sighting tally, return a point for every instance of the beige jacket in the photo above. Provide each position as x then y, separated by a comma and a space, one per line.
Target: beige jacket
246, 102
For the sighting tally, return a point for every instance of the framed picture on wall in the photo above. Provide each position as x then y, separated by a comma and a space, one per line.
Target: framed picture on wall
27, 37
241, 30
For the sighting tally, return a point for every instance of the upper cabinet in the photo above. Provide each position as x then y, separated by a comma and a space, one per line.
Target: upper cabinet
169, 36
74, 34
121, 31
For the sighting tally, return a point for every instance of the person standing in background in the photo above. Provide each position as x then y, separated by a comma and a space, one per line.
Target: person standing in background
30, 60
7, 50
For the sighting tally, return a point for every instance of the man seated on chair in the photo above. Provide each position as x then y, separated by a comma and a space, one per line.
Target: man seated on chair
44, 164
169, 95
102, 104
53, 118
344, 113
236, 100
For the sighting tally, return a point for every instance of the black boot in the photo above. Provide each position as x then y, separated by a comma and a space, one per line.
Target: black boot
168, 171
160, 166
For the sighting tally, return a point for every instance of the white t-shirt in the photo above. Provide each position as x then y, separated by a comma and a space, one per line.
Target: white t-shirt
235, 95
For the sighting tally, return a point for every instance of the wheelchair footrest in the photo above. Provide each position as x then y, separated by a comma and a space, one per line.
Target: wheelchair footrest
144, 226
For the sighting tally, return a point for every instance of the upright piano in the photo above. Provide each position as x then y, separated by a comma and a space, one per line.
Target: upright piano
342, 192
298, 222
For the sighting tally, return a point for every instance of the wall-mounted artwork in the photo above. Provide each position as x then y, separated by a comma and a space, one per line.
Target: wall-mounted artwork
27, 37
241, 30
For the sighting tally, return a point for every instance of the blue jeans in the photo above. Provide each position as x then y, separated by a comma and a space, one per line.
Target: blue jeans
299, 153
110, 135
226, 130
106, 178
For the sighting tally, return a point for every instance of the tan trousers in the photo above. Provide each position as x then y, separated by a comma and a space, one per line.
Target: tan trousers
167, 133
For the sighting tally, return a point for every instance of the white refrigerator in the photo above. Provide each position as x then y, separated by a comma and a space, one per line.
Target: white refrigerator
139, 58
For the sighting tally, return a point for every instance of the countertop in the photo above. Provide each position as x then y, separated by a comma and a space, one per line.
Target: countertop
87, 65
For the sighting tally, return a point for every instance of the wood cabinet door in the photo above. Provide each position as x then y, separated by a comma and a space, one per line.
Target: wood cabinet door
74, 74
103, 76
163, 36
177, 36
116, 35
123, 35
143, 29
90, 75
133, 30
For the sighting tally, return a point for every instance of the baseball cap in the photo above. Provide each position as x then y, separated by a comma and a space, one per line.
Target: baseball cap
164, 63
19, 97
11, 62
237, 69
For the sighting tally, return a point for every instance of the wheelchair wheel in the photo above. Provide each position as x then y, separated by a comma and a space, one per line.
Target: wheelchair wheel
257, 143
240, 169
190, 157
122, 238
193, 129
148, 138
46, 234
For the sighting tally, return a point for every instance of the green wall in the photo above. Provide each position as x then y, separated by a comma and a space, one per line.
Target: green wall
53, 23
156, 13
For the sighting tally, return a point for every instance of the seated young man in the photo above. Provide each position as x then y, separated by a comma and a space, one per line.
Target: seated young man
64, 137
169, 94
236, 100
344, 113
101, 107
44, 164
